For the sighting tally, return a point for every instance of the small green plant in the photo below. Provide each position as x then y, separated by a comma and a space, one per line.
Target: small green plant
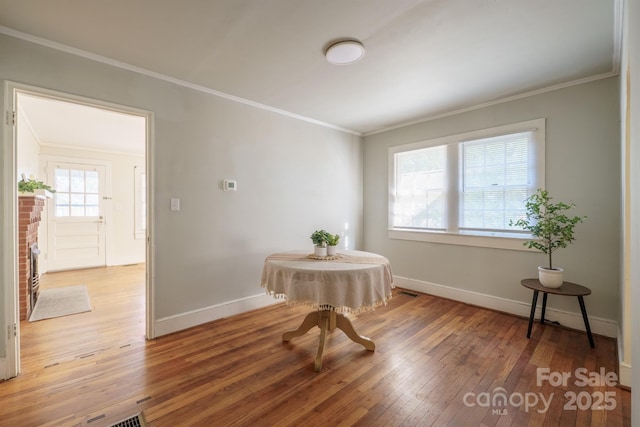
30, 185
548, 223
320, 238
333, 239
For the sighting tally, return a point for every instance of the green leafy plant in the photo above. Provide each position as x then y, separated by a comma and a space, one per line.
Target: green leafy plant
333, 239
30, 185
320, 238
548, 223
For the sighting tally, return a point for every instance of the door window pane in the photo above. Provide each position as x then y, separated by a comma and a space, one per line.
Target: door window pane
77, 192
77, 181
92, 182
62, 180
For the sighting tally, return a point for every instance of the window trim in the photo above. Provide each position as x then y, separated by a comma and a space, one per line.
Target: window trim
479, 239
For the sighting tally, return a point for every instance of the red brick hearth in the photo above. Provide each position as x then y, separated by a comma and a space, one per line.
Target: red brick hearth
29, 210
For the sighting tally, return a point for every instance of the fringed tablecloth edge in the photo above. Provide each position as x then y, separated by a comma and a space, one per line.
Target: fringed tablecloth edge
323, 307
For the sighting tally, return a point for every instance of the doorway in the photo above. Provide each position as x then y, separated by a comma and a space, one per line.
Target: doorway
84, 222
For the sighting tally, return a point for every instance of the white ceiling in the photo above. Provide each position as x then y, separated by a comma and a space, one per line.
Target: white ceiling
65, 124
424, 58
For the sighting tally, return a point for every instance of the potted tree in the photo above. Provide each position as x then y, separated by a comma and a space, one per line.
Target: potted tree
320, 238
332, 243
552, 229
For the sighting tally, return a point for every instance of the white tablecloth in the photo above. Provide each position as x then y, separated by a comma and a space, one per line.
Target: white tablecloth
356, 282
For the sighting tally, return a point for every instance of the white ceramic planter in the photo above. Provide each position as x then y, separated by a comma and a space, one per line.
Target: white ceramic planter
320, 250
550, 278
331, 250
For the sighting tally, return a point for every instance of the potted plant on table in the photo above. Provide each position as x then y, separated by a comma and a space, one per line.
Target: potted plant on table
552, 229
320, 238
332, 244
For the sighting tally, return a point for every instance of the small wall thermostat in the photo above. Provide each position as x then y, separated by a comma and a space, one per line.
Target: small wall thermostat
230, 185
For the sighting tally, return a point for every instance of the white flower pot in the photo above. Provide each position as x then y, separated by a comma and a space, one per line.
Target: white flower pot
320, 250
331, 250
550, 278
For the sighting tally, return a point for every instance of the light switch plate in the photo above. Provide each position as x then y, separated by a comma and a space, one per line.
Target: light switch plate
175, 204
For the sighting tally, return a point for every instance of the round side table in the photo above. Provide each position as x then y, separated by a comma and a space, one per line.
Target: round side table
566, 289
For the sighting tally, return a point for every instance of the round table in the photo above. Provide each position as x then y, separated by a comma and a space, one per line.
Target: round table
566, 289
351, 282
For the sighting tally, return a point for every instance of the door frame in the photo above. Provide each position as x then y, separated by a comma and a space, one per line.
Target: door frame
10, 245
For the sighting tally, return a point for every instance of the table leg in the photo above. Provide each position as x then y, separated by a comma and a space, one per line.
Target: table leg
324, 325
544, 306
332, 320
583, 309
312, 319
328, 320
533, 312
345, 325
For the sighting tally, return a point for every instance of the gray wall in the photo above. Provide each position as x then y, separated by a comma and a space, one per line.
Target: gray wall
293, 177
582, 165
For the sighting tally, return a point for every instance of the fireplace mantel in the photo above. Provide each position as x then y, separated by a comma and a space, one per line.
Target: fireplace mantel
39, 193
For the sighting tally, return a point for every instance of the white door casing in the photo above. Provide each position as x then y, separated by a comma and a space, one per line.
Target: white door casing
76, 216
10, 365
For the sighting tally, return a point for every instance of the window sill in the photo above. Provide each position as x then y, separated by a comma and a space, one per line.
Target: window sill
482, 241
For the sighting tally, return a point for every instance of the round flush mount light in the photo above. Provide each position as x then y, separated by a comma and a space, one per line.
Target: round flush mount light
345, 52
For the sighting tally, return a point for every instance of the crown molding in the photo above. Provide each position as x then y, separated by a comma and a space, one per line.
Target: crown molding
122, 65
498, 101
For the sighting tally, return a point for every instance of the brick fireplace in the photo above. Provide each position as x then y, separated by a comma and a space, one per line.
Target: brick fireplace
29, 211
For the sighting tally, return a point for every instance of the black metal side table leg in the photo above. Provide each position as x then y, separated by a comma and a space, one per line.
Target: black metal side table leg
583, 309
544, 306
533, 312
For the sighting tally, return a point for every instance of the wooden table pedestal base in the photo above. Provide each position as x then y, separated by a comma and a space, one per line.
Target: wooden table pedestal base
328, 320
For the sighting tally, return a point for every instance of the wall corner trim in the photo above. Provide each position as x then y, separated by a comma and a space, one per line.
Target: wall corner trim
624, 375
3, 369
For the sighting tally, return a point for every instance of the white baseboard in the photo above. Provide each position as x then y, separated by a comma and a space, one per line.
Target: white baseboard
598, 325
189, 319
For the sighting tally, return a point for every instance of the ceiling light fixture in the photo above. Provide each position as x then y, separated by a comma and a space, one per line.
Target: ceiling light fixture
345, 52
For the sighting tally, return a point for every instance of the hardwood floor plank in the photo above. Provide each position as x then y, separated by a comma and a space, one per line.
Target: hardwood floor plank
434, 363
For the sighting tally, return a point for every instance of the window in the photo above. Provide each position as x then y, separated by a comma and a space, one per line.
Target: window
420, 188
77, 193
471, 184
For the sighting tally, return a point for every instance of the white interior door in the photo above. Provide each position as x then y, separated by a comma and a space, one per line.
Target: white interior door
76, 223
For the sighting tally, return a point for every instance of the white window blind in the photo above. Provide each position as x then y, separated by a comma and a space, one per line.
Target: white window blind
497, 175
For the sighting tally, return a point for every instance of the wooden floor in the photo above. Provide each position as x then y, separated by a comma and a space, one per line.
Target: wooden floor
437, 363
